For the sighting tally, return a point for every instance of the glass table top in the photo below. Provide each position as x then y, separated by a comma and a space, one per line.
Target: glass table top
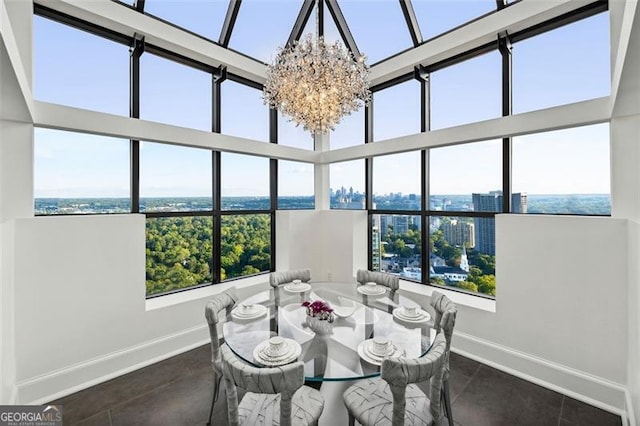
330, 352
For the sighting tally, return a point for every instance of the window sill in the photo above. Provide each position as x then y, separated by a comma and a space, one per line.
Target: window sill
205, 292
456, 297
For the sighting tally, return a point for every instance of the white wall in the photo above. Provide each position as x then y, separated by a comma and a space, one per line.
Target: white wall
633, 357
561, 307
81, 315
332, 243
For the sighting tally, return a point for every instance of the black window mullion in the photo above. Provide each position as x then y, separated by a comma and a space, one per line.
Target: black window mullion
422, 75
218, 77
368, 181
505, 48
273, 184
137, 49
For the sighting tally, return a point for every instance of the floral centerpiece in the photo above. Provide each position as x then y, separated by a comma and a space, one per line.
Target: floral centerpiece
319, 309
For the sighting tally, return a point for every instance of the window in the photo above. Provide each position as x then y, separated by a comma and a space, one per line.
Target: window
460, 173
349, 132
173, 93
179, 253
245, 182
295, 185
397, 245
291, 135
174, 178
78, 173
243, 113
396, 181
202, 17
262, 27
245, 245
396, 111
78, 69
467, 92
564, 171
379, 28
437, 17
347, 185
462, 253
568, 64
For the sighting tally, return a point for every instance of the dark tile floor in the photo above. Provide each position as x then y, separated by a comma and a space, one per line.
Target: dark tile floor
177, 392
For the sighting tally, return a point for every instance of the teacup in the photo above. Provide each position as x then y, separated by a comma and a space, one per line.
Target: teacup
247, 309
370, 285
276, 346
381, 346
296, 283
410, 311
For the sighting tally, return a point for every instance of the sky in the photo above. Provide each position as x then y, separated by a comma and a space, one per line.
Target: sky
78, 69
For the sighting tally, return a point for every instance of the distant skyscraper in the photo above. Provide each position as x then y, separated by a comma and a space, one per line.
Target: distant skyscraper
376, 254
400, 224
459, 233
486, 227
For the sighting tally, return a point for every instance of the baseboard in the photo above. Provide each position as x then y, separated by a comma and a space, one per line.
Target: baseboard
65, 381
631, 418
585, 387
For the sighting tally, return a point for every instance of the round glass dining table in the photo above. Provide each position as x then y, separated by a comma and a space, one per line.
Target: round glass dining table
330, 353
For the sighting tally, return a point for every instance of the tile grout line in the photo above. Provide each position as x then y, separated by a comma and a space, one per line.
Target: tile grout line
561, 408
466, 385
109, 415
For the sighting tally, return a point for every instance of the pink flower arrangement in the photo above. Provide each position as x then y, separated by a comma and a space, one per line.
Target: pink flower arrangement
319, 309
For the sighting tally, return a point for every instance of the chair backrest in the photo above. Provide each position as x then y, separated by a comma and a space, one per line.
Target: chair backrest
277, 278
381, 278
399, 372
285, 380
225, 300
445, 318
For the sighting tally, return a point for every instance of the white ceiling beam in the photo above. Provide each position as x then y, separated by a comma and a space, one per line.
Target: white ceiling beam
61, 117
625, 67
571, 115
513, 18
16, 102
127, 21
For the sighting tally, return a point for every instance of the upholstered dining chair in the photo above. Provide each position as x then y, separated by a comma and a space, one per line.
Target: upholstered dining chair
223, 301
283, 277
394, 398
388, 280
445, 320
275, 396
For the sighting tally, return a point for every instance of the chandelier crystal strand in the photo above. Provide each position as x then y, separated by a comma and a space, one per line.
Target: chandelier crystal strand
316, 84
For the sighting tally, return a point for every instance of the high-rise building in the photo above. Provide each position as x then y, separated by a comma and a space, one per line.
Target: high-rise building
485, 227
459, 233
376, 253
400, 224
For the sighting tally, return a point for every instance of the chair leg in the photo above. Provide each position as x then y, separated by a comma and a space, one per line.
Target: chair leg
216, 393
447, 401
352, 420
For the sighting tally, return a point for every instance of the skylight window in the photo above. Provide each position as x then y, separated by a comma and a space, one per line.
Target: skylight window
438, 16
201, 17
262, 27
379, 28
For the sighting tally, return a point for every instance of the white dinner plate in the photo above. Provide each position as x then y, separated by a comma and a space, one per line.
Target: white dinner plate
422, 316
300, 288
379, 290
366, 354
291, 354
239, 313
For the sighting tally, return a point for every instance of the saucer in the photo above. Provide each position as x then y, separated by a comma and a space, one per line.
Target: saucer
375, 291
420, 317
290, 354
364, 350
256, 311
297, 288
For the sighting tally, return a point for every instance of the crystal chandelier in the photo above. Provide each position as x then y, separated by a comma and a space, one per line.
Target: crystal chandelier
316, 84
